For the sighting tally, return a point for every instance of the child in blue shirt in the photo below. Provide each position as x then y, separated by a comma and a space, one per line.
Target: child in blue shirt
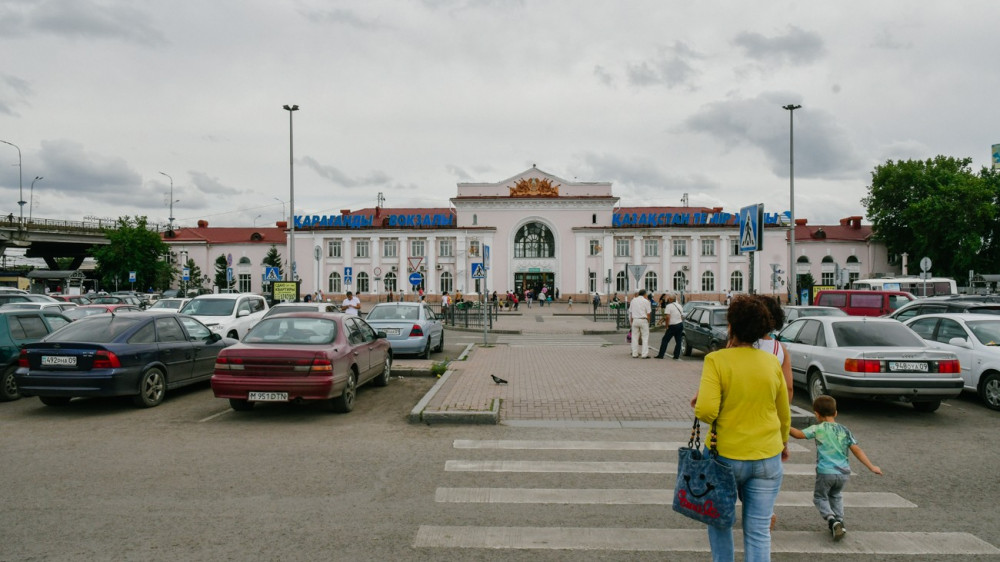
833, 441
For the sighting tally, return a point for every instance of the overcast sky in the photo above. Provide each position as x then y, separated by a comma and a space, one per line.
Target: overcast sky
409, 98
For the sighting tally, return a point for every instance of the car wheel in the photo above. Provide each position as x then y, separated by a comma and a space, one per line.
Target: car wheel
383, 378
240, 405
54, 400
152, 387
8, 386
426, 353
927, 407
713, 346
440, 344
686, 345
989, 390
345, 402
817, 387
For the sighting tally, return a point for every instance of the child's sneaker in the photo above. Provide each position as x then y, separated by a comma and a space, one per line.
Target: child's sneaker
838, 530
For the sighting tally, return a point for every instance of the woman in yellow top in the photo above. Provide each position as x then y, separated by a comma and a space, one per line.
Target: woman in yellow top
743, 389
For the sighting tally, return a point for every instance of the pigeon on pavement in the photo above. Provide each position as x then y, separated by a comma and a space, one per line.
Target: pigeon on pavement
498, 380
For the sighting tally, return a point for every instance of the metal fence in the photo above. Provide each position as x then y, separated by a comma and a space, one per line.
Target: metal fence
470, 315
619, 314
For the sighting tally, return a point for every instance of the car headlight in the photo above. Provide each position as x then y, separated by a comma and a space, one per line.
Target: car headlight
216, 327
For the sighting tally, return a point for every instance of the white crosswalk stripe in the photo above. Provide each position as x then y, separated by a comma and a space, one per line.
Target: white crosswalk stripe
534, 340
796, 493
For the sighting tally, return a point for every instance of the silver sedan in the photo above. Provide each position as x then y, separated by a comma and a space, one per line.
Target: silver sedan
410, 327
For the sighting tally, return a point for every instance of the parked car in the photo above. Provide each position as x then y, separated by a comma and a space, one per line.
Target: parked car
689, 305
794, 312
168, 305
705, 328
289, 307
863, 302
24, 297
229, 314
303, 356
78, 299
129, 354
58, 306
86, 310
870, 358
975, 339
921, 307
411, 327
18, 327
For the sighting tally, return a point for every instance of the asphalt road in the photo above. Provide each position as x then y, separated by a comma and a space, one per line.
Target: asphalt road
193, 480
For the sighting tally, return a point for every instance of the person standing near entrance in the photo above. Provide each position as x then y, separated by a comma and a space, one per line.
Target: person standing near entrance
351, 305
639, 311
673, 317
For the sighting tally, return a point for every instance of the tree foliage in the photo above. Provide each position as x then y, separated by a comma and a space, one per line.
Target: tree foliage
194, 273
133, 247
273, 259
936, 208
221, 266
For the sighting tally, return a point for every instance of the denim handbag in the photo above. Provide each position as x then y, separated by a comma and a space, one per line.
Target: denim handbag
706, 488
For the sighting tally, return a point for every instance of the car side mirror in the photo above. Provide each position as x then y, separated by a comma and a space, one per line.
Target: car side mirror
380, 335
242, 313
960, 342
214, 337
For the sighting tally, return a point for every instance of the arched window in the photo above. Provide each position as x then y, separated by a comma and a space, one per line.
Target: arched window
389, 281
534, 240
680, 282
447, 283
334, 285
827, 259
853, 259
802, 259
362, 282
736, 282
650, 282
708, 282
475, 220
621, 282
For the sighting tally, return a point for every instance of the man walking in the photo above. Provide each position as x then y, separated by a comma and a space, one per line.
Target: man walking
673, 316
639, 311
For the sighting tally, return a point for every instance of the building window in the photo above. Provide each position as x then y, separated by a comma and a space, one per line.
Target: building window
595, 247
389, 281
446, 248
621, 282
650, 283
474, 248
708, 282
680, 282
534, 240
680, 247
707, 247
828, 278
651, 248
734, 246
736, 282
475, 220
333, 249
361, 248
362, 282
244, 282
593, 218
334, 285
417, 248
390, 248
623, 248
592, 278
447, 284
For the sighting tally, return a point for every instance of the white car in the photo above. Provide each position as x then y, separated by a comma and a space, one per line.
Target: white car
975, 338
229, 314
168, 305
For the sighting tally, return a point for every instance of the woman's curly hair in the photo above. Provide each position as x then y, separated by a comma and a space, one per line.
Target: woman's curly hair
749, 319
774, 307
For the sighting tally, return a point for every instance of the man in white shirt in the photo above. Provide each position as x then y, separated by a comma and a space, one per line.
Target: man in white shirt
639, 311
673, 316
351, 305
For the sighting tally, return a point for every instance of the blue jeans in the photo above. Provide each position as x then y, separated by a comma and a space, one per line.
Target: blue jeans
757, 483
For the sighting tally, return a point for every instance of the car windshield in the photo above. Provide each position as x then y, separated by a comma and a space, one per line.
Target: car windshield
170, 304
393, 312
210, 307
874, 334
80, 312
22, 305
293, 330
986, 331
102, 328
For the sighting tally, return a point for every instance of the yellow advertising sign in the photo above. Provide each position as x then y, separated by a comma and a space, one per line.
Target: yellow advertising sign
285, 290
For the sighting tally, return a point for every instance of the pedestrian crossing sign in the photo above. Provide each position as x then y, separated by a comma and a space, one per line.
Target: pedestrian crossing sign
478, 271
751, 221
271, 274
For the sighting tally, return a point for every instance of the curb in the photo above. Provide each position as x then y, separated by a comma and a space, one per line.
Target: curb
419, 414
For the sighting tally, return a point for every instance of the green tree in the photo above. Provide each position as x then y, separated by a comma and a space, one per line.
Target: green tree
936, 208
194, 274
221, 266
133, 247
273, 259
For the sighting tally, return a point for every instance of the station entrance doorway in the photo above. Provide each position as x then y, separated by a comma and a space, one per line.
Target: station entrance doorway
534, 280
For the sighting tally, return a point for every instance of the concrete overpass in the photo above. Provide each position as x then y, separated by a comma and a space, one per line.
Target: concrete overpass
50, 239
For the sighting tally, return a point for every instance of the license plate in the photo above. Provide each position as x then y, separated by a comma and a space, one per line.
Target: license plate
62, 360
907, 366
268, 396
391, 331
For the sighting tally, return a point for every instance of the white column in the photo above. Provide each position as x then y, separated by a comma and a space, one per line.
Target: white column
347, 250
695, 276
430, 276
723, 250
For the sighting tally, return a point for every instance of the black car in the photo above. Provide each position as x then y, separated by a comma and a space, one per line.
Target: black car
18, 327
938, 306
706, 328
130, 354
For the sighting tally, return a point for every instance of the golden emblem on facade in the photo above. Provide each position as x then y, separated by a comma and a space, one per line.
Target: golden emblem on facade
534, 187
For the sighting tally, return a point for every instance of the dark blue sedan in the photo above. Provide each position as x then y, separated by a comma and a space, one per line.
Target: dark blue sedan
129, 354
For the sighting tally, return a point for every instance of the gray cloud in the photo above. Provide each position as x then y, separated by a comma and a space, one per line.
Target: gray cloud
347, 18
340, 178
640, 181
796, 47
67, 164
458, 172
14, 92
210, 185
671, 68
80, 19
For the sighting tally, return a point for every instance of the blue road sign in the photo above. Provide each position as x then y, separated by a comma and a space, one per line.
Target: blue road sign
348, 280
186, 274
486, 257
348, 272
478, 271
229, 274
131, 277
272, 274
751, 222
416, 278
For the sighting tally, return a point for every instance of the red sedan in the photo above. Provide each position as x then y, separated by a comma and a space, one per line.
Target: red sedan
303, 356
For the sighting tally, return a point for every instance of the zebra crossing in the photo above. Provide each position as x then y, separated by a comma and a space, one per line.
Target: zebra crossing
593, 457
550, 339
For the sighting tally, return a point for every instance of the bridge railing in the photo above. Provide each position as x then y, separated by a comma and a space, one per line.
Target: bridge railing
54, 225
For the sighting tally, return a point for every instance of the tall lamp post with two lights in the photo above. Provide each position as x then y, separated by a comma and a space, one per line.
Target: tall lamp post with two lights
31, 197
291, 109
171, 227
20, 182
792, 269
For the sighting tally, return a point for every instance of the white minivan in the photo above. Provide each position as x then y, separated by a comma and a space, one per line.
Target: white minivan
228, 314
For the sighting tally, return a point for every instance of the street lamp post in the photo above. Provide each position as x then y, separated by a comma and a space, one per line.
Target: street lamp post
255, 220
31, 197
171, 218
792, 269
20, 182
283, 215
291, 109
